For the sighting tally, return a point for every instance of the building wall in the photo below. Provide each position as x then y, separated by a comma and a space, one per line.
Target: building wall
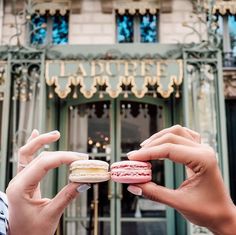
92, 26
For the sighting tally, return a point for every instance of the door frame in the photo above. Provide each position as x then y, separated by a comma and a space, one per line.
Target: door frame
115, 135
168, 166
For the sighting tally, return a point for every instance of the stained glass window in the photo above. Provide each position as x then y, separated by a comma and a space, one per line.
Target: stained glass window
148, 28
60, 29
232, 33
38, 29
47, 29
125, 28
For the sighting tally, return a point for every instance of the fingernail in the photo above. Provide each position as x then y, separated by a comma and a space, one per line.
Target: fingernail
144, 142
135, 190
35, 131
55, 132
82, 156
131, 152
83, 187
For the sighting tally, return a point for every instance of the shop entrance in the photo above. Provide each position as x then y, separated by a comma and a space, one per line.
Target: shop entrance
107, 129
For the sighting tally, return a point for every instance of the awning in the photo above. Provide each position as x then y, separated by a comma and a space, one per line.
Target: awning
115, 76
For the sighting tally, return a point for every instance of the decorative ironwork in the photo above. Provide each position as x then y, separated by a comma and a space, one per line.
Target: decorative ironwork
25, 72
3, 69
39, 29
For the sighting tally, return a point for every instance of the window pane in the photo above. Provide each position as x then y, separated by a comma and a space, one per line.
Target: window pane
39, 29
125, 28
60, 29
148, 28
232, 32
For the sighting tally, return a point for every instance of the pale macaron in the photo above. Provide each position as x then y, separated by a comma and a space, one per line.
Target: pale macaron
89, 171
131, 172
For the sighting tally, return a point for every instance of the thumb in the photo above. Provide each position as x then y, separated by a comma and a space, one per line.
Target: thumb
156, 193
65, 197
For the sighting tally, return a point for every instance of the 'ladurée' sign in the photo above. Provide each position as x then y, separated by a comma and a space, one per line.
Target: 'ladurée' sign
137, 74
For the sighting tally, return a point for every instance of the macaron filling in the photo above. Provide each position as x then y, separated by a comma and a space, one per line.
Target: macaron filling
88, 170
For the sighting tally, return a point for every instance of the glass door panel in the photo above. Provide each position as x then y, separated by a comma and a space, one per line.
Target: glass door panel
107, 130
89, 132
138, 121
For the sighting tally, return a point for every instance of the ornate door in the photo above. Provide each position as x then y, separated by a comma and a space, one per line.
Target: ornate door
107, 129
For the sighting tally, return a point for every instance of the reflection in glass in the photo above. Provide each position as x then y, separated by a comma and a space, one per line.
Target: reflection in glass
125, 28
232, 33
148, 28
202, 105
39, 29
60, 29
138, 122
141, 228
89, 131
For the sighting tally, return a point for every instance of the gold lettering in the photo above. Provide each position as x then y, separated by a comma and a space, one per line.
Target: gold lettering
130, 68
113, 68
97, 68
145, 68
161, 68
81, 71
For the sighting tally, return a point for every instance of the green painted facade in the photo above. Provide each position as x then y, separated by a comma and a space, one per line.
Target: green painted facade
28, 102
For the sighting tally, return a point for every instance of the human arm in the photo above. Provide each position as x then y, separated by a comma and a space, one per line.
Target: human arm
204, 186
28, 212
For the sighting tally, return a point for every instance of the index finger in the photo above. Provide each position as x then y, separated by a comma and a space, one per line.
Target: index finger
177, 130
183, 154
38, 168
38, 142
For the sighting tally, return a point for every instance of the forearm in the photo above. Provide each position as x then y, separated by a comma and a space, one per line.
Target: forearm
226, 225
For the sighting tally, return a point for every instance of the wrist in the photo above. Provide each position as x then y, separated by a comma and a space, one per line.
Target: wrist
226, 225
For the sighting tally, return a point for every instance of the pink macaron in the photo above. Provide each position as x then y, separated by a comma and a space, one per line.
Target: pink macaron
131, 172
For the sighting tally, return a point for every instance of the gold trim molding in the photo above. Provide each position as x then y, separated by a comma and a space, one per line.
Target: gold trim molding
136, 75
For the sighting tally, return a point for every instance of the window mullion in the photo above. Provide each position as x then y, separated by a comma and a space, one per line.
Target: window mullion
49, 29
226, 35
137, 37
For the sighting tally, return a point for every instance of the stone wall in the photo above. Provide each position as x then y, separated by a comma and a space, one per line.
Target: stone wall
92, 26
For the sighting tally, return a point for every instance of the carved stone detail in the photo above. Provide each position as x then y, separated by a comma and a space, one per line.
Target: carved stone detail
122, 6
230, 84
223, 7
44, 6
107, 6
166, 6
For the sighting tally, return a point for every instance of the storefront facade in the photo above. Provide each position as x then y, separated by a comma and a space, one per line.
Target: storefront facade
105, 99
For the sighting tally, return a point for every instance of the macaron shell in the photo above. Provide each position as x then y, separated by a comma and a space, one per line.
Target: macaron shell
89, 178
131, 179
89, 171
131, 172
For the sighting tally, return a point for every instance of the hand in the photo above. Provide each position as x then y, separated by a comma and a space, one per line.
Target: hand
28, 212
202, 198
